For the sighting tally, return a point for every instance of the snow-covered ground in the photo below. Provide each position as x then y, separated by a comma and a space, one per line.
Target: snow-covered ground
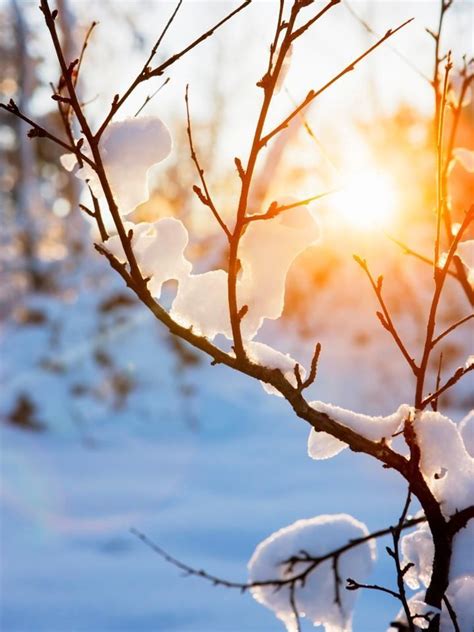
197, 457
209, 497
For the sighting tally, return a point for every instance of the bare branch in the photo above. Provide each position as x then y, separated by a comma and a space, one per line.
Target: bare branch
451, 328
274, 209
205, 197
151, 96
311, 562
313, 94
454, 379
384, 317
38, 131
370, 30
452, 614
409, 251
302, 29
147, 73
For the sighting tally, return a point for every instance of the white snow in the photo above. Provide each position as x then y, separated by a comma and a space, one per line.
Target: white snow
321, 445
465, 157
316, 598
466, 430
201, 303
128, 149
417, 548
465, 251
422, 612
267, 249
265, 355
159, 250
459, 593
445, 463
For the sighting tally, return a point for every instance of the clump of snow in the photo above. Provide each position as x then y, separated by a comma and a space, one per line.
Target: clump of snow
267, 249
321, 445
201, 303
466, 430
462, 560
459, 594
316, 598
417, 549
128, 149
159, 250
446, 465
465, 157
465, 252
267, 356
421, 612
202, 300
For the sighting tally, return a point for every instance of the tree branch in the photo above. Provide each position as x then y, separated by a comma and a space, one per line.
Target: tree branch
313, 94
205, 198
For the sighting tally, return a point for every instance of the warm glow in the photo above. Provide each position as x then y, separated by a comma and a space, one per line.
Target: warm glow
368, 200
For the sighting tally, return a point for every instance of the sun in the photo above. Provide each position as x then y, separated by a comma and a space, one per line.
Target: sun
367, 200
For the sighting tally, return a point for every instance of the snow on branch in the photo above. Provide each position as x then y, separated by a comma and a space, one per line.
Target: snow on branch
301, 568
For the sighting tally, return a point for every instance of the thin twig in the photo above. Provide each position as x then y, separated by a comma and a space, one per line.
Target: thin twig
434, 403
38, 131
384, 317
440, 278
294, 608
151, 96
439, 172
274, 209
205, 197
395, 50
313, 94
451, 328
409, 251
454, 379
395, 554
147, 73
352, 584
311, 562
452, 614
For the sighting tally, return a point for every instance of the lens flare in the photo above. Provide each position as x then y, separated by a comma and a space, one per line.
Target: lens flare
368, 200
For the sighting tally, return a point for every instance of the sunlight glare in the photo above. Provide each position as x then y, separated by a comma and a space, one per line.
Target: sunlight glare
368, 200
